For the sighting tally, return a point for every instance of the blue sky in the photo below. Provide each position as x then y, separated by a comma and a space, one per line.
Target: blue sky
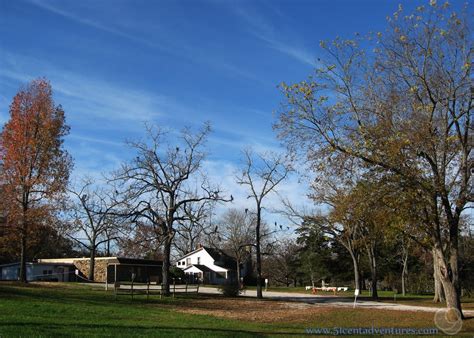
115, 64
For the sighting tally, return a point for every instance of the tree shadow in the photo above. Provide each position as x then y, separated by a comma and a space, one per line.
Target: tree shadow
83, 329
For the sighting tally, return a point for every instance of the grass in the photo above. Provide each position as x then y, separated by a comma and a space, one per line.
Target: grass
76, 310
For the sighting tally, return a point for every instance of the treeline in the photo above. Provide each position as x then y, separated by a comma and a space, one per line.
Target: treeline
383, 127
386, 123
402, 266
158, 203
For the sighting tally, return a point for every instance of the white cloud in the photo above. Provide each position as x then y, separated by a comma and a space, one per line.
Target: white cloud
225, 173
139, 32
87, 98
263, 30
90, 22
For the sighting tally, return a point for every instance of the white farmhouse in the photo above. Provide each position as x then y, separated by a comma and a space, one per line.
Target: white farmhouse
207, 265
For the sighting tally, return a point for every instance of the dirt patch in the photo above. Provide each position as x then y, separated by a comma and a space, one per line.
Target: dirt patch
252, 310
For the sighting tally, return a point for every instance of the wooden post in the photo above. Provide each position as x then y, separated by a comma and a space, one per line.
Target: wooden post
116, 288
148, 290
132, 289
174, 287
186, 288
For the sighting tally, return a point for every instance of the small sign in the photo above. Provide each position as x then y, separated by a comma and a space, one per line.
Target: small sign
356, 293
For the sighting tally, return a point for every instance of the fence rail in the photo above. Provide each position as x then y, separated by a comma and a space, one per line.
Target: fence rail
150, 289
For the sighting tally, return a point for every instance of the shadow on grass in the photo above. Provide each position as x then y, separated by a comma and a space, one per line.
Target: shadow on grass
83, 329
83, 295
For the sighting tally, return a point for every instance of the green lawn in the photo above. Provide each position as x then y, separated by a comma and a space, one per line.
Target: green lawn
78, 310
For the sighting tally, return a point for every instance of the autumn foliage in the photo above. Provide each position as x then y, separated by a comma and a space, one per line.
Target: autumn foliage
35, 167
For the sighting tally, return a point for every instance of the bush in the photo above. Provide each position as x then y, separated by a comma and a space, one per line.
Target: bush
230, 289
177, 274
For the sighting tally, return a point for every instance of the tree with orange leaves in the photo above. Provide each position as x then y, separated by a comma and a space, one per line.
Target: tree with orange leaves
35, 165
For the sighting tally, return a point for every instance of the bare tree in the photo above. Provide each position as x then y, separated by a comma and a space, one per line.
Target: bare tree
261, 174
284, 263
195, 228
163, 181
142, 239
92, 213
235, 234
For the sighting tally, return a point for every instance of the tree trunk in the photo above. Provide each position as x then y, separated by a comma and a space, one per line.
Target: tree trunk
355, 263
22, 277
449, 278
166, 265
92, 263
404, 271
108, 248
259, 258
438, 287
238, 271
373, 271
23, 231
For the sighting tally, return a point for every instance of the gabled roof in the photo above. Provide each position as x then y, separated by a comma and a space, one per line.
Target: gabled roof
201, 267
190, 253
220, 257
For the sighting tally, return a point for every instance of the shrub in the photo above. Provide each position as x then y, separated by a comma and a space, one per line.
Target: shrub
230, 289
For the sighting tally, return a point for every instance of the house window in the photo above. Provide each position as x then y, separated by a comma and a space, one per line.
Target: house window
199, 260
188, 261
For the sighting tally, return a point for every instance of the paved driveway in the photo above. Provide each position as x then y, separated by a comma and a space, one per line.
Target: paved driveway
327, 300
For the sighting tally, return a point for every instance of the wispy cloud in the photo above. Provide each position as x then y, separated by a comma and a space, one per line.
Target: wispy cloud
88, 98
225, 174
165, 42
91, 22
3, 112
96, 140
262, 29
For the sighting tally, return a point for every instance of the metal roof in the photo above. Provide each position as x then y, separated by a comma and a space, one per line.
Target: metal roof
35, 263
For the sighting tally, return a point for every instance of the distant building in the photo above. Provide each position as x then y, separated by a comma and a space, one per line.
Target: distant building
209, 266
58, 272
107, 269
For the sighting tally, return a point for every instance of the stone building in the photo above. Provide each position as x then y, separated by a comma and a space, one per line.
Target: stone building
111, 269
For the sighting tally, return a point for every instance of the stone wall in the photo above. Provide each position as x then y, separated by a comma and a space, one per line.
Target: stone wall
100, 269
